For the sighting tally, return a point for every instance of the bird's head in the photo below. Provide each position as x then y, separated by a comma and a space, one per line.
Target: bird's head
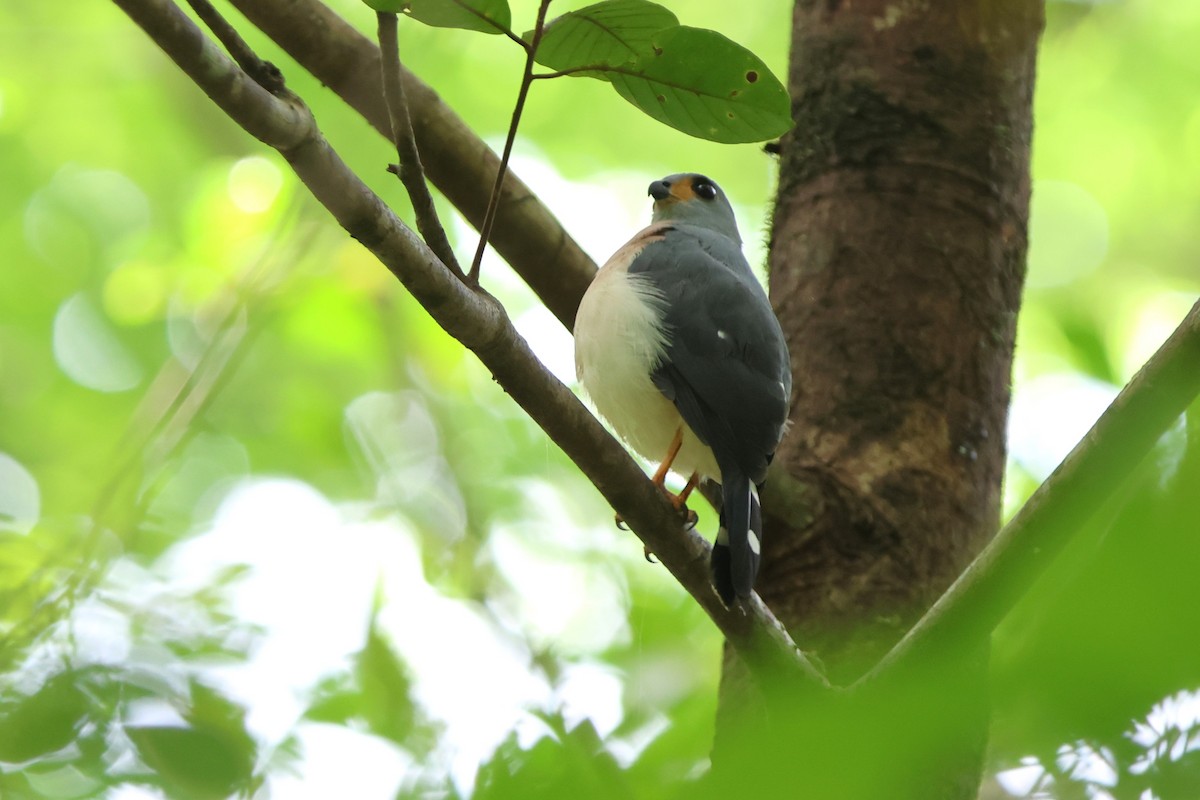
694, 199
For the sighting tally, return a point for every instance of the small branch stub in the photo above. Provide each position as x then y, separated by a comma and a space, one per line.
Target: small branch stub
409, 170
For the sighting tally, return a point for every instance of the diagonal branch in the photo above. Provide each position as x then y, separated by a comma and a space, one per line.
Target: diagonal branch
410, 171
478, 322
457, 161
972, 607
462, 167
265, 74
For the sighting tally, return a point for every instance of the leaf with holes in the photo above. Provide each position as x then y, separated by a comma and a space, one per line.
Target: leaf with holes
611, 33
486, 16
699, 82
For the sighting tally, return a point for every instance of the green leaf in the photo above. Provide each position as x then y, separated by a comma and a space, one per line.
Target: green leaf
192, 763
485, 16
385, 686
44, 721
570, 763
214, 712
612, 33
699, 82
211, 757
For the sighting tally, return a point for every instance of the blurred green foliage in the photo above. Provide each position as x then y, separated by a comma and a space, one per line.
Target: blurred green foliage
265, 529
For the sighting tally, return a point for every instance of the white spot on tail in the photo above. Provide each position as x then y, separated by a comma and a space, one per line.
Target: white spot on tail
754, 494
755, 544
722, 335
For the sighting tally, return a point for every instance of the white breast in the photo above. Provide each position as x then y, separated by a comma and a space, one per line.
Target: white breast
619, 340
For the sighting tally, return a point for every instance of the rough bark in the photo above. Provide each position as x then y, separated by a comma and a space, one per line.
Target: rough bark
897, 260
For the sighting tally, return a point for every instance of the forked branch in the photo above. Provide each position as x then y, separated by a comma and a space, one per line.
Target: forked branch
456, 160
479, 323
410, 170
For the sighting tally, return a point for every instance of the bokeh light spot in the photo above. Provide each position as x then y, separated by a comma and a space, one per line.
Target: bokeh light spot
57, 238
135, 293
20, 499
82, 214
88, 350
1068, 233
254, 184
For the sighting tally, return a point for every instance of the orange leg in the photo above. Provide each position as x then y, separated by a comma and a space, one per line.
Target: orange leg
680, 500
660, 474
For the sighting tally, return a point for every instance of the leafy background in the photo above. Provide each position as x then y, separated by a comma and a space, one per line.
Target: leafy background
263, 528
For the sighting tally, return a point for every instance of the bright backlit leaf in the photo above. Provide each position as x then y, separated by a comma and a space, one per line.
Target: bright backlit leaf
611, 33
486, 16
706, 85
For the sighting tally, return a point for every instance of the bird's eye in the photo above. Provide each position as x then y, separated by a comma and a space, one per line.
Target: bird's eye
704, 190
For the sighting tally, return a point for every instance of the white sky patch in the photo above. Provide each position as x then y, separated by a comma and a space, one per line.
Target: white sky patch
1084, 763
129, 791
549, 340
563, 603
601, 214
336, 760
566, 597
1178, 713
591, 691
311, 587
468, 675
102, 632
312, 584
1021, 781
1050, 414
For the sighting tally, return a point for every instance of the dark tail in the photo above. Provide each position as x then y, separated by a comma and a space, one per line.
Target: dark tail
735, 554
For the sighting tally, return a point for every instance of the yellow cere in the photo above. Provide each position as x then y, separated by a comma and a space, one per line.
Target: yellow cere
682, 190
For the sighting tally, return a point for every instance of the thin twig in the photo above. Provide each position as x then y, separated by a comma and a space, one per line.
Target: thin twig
264, 73
494, 201
411, 173
478, 322
458, 163
981, 597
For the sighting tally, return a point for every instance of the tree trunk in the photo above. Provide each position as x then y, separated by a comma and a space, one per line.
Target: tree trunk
897, 260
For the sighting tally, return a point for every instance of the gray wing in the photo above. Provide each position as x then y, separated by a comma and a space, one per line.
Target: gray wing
726, 365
